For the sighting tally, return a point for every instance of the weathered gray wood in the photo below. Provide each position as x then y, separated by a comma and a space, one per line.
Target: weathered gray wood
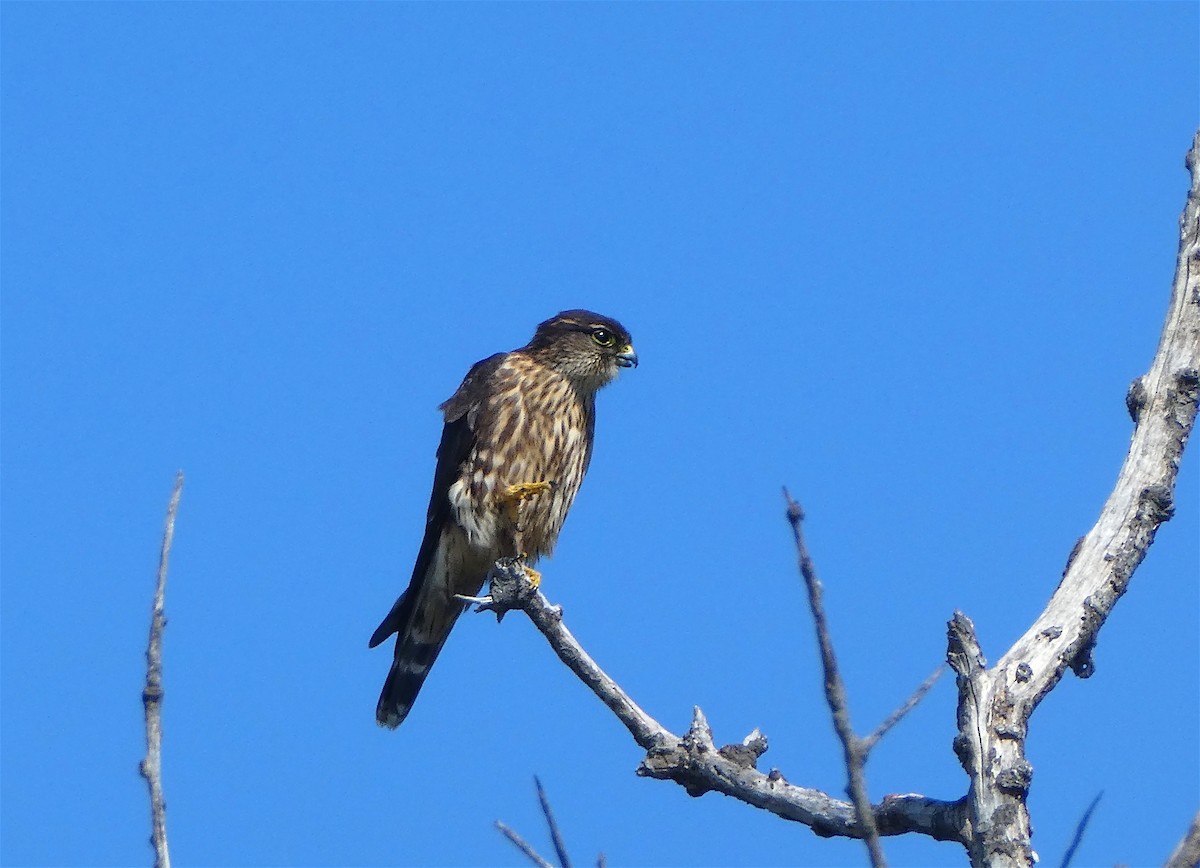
995, 705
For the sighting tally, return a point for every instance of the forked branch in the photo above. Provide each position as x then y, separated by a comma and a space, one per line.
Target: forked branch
556, 836
994, 705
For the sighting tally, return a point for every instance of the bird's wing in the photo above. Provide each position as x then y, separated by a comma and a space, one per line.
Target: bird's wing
425, 613
458, 438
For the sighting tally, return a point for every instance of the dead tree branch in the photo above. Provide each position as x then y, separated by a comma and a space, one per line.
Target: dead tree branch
908, 705
1187, 853
853, 748
152, 693
524, 846
994, 705
696, 763
556, 838
1080, 829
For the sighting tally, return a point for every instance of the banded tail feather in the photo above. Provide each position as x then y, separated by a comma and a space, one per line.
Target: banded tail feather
422, 630
404, 680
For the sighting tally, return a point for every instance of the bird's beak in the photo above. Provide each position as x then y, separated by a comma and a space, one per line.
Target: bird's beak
627, 358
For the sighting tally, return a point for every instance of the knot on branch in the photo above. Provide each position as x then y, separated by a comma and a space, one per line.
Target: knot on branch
1081, 661
1074, 553
1156, 503
1016, 779
690, 761
1135, 398
1186, 392
747, 753
963, 652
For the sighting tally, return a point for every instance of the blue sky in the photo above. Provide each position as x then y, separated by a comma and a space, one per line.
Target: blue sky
902, 259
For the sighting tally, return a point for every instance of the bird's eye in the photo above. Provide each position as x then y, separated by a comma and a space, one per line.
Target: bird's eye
603, 337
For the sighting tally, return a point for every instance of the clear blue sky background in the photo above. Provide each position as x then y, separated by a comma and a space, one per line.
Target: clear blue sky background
903, 259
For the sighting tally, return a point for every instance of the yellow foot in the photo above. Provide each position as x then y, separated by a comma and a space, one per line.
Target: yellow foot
526, 490
513, 496
535, 578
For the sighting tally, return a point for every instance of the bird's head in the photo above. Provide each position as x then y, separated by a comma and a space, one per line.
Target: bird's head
588, 348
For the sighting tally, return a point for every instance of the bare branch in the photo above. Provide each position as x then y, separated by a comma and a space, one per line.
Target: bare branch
898, 715
560, 847
854, 750
995, 705
152, 693
1187, 853
696, 763
1077, 839
510, 588
523, 845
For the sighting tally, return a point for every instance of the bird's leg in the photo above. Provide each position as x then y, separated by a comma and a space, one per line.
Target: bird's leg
513, 496
510, 501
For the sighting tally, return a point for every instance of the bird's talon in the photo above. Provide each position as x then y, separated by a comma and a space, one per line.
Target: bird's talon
482, 601
522, 491
513, 496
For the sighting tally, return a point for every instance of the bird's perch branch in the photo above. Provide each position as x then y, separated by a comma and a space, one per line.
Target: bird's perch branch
152, 693
510, 588
696, 763
994, 705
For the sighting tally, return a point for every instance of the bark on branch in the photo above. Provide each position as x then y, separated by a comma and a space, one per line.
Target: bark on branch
994, 705
1187, 852
152, 693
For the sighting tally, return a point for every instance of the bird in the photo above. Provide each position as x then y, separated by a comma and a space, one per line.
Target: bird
516, 443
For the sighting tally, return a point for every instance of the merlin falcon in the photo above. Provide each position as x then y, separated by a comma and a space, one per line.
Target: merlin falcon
515, 446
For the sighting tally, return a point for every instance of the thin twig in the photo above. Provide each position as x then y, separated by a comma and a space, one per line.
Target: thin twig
560, 847
1080, 829
523, 845
152, 693
835, 692
896, 716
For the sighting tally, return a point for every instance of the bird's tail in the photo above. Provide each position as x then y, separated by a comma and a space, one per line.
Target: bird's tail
417, 646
